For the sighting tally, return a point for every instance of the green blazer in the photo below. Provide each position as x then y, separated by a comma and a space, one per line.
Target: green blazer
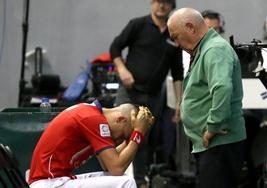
212, 94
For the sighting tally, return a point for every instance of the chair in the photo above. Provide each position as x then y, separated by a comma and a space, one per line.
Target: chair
9, 171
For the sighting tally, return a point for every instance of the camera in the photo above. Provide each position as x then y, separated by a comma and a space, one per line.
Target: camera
251, 59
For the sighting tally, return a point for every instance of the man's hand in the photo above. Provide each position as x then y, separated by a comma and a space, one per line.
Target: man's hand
117, 161
126, 77
176, 118
124, 74
207, 136
145, 114
142, 120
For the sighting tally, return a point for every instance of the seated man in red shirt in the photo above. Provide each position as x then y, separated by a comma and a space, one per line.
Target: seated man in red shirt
83, 130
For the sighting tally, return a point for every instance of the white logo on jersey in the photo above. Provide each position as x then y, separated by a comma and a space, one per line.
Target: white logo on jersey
104, 130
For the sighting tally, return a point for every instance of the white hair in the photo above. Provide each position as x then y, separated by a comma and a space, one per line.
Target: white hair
186, 15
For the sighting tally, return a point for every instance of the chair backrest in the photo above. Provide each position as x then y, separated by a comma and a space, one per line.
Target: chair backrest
9, 171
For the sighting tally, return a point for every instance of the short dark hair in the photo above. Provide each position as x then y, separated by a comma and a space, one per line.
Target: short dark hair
173, 2
214, 15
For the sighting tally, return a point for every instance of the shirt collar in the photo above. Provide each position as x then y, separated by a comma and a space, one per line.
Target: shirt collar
149, 17
196, 47
203, 39
98, 105
150, 20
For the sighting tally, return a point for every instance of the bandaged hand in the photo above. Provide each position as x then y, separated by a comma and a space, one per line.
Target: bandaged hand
145, 114
143, 120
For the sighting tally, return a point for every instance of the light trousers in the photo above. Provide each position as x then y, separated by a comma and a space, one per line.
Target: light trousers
88, 180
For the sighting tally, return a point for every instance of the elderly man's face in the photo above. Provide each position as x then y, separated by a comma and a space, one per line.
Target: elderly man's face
181, 37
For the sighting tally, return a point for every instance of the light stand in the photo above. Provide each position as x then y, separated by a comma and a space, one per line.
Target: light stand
25, 27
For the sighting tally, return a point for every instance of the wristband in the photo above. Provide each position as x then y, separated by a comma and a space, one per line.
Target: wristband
137, 137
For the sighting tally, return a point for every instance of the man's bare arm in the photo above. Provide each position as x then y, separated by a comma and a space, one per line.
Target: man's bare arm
117, 162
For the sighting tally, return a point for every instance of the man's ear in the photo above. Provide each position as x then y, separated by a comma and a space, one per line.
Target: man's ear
121, 119
190, 27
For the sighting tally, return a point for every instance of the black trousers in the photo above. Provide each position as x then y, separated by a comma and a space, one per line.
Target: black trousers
146, 152
220, 166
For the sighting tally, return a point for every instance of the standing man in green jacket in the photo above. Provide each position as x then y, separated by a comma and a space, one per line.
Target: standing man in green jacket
211, 107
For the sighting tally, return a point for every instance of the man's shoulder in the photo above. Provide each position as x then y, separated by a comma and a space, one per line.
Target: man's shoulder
215, 42
139, 20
